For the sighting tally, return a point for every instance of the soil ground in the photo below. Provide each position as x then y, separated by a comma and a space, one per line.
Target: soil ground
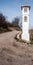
13, 52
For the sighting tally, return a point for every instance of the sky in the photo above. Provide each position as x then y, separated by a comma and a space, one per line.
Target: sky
12, 9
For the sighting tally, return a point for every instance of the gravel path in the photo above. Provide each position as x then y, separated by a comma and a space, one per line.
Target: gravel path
13, 52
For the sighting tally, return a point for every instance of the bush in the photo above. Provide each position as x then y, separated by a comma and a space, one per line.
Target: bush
31, 38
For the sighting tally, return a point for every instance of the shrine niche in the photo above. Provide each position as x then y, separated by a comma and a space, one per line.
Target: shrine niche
25, 18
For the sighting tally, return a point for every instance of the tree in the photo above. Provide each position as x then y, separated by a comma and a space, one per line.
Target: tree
3, 22
15, 22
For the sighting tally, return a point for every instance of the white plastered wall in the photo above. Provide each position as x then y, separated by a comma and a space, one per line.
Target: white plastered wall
25, 25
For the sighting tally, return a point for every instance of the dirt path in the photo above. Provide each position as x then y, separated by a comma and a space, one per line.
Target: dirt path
13, 52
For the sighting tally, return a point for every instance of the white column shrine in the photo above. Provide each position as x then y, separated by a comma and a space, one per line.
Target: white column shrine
25, 23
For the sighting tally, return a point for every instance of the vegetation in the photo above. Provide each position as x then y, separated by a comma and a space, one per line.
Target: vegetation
23, 41
15, 24
3, 22
4, 25
31, 36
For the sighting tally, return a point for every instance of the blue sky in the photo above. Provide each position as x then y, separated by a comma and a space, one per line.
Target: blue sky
12, 9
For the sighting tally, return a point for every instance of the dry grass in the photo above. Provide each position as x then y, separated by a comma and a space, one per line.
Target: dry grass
23, 41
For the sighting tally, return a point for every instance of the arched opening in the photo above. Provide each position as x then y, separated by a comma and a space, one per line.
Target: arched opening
25, 18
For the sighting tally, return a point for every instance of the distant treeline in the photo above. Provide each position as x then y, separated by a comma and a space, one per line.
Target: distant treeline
5, 24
